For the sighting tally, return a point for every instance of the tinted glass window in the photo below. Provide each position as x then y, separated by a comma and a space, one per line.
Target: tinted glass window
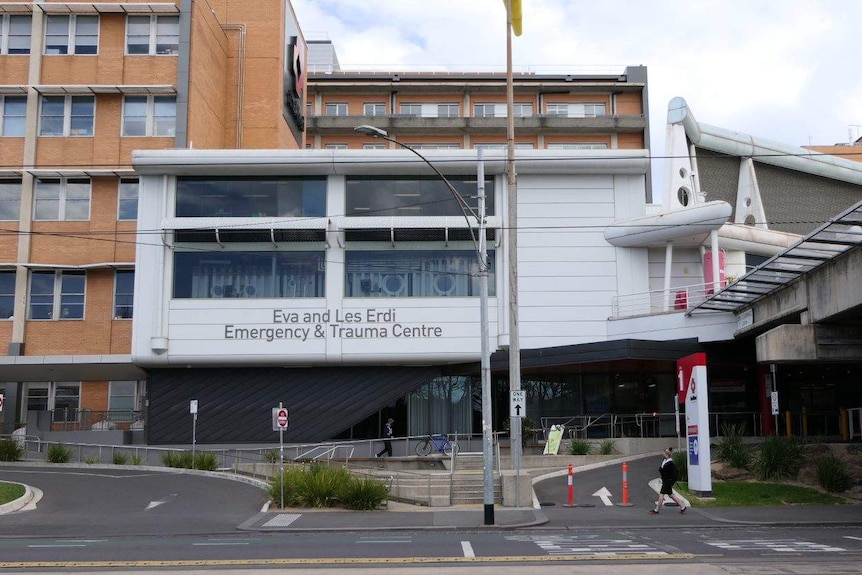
251, 197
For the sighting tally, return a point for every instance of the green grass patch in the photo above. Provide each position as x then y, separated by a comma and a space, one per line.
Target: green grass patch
745, 494
10, 492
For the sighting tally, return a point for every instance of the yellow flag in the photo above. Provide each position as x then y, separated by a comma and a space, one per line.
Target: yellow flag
517, 19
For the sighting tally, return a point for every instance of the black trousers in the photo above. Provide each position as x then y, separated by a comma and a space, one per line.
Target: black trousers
387, 448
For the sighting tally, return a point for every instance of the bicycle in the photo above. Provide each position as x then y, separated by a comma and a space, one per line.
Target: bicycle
437, 442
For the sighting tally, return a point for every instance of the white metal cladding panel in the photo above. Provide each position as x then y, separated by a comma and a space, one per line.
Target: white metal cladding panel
718, 326
583, 210
268, 331
567, 268
537, 287
551, 238
584, 254
585, 313
559, 299
572, 184
540, 335
686, 267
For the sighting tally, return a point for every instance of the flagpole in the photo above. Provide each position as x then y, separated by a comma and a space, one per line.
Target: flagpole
512, 229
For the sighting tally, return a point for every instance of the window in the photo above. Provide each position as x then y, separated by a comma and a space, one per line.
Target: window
150, 116
127, 199
411, 109
576, 110
67, 115
336, 109
447, 111
431, 110
426, 146
124, 291
63, 398
499, 110
503, 146
373, 146
57, 294
15, 34
335, 147
14, 116
258, 274
371, 109
10, 200
123, 395
579, 146
431, 273
251, 197
149, 35
73, 34
404, 196
62, 199
7, 295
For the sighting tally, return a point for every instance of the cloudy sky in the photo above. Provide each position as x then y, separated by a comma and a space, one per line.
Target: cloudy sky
786, 70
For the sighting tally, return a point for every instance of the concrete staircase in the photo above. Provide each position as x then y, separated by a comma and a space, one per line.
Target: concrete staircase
468, 481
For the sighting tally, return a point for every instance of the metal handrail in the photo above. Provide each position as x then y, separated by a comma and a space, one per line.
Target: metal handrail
328, 451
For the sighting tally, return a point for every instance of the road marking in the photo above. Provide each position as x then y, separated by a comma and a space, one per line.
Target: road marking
282, 520
221, 543
604, 495
162, 501
557, 545
57, 545
468, 549
200, 563
854, 538
782, 546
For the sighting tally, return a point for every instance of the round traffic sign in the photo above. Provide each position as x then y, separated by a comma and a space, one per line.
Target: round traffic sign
281, 418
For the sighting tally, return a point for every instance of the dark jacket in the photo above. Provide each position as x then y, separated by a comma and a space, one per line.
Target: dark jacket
668, 471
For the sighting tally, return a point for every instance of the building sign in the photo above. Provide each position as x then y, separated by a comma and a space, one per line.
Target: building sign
294, 84
304, 325
692, 390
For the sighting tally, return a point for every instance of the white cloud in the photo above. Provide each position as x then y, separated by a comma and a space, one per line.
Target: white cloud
786, 70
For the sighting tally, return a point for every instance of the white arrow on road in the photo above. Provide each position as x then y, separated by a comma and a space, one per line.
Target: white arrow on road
153, 504
605, 496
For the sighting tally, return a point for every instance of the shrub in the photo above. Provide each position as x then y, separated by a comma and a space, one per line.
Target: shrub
608, 447
137, 459
833, 473
680, 460
778, 458
272, 455
10, 450
580, 447
119, 458
731, 448
203, 460
363, 493
91, 460
317, 485
58, 453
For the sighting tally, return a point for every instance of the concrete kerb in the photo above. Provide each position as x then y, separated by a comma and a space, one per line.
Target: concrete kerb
18, 504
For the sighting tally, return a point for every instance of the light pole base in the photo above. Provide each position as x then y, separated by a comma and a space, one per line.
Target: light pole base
489, 514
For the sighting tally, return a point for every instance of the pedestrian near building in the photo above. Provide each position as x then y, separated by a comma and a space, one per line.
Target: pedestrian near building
669, 476
388, 432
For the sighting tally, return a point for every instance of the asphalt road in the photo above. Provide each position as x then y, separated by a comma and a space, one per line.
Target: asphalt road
90, 502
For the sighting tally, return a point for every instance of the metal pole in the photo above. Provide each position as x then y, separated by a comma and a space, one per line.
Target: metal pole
194, 436
281, 456
487, 421
512, 225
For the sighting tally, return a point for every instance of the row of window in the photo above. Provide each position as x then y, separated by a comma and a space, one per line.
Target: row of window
64, 397
79, 34
65, 199
61, 294
453, 146
76, 116
452, 110
301, 274
306, 197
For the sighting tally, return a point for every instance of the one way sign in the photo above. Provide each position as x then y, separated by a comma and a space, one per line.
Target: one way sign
518, 403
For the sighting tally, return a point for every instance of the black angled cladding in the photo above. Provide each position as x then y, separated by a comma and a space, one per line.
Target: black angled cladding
235, 404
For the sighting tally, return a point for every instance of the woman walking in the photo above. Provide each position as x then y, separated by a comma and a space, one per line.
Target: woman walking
669, 476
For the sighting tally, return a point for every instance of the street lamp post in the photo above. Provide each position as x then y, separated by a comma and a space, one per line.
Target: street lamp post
482, 257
